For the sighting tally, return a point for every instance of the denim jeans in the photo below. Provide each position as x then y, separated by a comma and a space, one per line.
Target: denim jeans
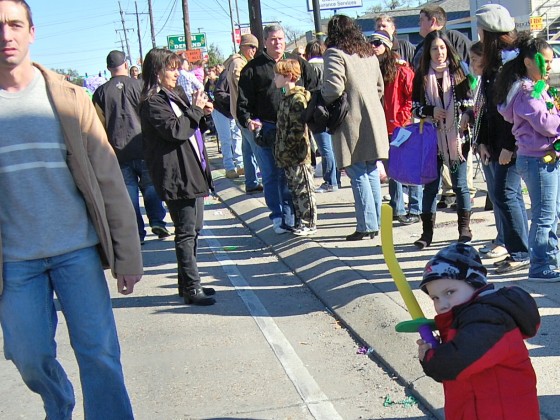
366, 187
137, 177
251, 163
229, 135
277, 196
29, 319
188, 219
331, 174
459, 184
489, 172
543, 184
509, 200
415, 193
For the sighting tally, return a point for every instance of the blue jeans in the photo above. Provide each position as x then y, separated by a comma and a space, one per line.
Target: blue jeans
489, 174
250, 158
229, 135
29, 318
459, 184
276, 193
509, 200
366, 187
137, 177
415, 193
543, 185
331, 175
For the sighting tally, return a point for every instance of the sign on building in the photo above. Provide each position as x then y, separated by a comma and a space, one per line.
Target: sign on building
334, 4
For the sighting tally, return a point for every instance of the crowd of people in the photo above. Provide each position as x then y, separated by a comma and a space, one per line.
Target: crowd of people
144, 133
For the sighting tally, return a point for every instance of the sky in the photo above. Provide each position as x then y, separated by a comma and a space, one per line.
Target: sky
78, 34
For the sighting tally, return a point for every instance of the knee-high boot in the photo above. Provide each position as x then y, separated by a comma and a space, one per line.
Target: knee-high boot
428, 222
463, 222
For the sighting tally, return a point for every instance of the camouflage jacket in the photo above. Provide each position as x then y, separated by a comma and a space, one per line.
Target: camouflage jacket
292, 145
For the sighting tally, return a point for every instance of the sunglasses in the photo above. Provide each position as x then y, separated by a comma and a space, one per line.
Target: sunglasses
376, 43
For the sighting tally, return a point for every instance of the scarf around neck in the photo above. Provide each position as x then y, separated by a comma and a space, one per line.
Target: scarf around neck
447, 133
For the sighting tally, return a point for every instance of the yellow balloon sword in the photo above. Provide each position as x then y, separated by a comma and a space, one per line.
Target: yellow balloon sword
419, 322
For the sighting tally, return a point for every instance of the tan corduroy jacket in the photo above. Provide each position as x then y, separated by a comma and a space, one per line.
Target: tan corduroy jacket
97, 174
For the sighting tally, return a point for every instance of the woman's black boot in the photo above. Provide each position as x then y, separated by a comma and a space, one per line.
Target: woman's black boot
358, 236
428, 222
464, 222
197, 296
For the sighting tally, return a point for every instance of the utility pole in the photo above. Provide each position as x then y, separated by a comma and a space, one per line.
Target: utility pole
255, 18
125, 36
317, 18
188, 40
120, 37
232, 27
138, 29
152, 23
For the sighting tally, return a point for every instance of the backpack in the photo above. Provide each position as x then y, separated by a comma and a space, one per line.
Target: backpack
221, 95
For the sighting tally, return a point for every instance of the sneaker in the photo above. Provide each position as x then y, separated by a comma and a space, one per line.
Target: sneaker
446, 201
240, 171
232, 174
161, 232
386, 197
258, 189
325, 188
497, 252
547, 276
305, 231
277, 226
510, 266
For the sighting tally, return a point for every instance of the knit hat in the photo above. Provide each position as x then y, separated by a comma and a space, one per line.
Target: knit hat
115, 59
382, 36
458, 261
494, 18
249, 39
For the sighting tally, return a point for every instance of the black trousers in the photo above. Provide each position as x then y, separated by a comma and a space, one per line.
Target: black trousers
188, 219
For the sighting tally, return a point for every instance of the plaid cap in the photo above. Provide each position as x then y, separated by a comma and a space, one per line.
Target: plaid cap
457, 261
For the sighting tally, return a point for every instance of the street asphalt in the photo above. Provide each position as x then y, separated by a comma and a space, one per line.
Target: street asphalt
353, 281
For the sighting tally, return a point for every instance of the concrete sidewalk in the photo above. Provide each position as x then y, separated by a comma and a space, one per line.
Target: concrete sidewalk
352, 280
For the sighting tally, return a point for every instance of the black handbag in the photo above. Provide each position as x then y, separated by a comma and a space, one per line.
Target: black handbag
266, 136
320, 117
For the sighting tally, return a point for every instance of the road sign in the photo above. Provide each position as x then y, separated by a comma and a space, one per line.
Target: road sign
536, 23
334, 4
177, 42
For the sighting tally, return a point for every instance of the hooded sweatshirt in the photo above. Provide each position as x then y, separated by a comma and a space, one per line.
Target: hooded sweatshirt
534, 126
483, 362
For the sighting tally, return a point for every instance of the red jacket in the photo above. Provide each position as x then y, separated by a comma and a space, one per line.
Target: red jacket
482, 361
397, 99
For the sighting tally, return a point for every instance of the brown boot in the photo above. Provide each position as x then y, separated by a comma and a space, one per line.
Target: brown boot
463, 222
428, 222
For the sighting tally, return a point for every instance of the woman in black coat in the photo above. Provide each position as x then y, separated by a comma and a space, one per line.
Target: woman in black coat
176, 157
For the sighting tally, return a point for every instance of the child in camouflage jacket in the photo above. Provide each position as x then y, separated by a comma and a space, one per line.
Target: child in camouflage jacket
292, 150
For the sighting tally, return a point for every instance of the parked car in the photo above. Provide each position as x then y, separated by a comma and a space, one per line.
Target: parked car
554, 76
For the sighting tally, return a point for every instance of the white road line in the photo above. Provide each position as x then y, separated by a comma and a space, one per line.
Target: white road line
315, 400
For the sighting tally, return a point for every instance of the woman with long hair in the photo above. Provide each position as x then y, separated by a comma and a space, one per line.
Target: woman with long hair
361, 140
496, 143
442, 93
397, 102
521, 91
177, 159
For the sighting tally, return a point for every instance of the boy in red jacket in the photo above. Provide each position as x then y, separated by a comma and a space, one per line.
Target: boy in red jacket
482, 359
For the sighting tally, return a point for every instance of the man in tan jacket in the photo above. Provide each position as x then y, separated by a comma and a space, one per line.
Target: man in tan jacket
233, 66
64, 215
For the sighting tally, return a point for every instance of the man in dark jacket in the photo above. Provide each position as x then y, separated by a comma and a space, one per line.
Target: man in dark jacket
257, 107
116, 103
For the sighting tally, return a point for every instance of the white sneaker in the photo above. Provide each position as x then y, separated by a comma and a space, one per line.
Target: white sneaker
305, 231
277, 226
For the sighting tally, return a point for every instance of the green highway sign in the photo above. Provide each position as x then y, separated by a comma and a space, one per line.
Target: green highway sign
177, 42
